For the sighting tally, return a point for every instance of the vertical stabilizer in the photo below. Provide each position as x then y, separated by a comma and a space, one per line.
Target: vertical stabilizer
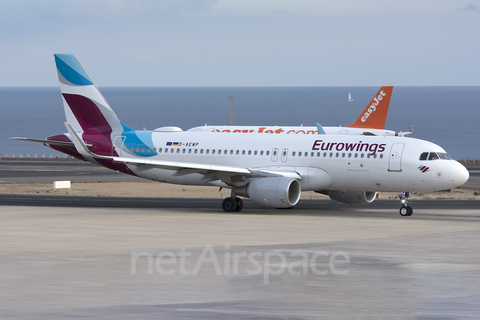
375, 114
86, 110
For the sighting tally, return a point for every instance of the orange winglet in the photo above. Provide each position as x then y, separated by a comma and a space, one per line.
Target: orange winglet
375, 113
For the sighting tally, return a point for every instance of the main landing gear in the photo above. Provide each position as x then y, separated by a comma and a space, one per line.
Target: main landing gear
405, 210
232, 203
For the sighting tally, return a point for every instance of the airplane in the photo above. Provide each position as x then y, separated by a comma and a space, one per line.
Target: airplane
270, 169
370, 122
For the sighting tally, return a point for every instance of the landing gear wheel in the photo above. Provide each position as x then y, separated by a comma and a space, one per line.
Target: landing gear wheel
239, 204
406, 211
229, 205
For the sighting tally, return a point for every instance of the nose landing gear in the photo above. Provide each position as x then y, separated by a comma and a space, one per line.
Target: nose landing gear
405, 210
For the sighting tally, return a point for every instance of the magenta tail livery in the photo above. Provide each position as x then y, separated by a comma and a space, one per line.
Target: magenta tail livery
271, 170
370, 122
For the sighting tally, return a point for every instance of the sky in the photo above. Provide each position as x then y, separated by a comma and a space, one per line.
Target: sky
235, 43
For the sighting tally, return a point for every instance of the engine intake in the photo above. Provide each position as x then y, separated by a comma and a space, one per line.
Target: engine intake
352, 197
278, 192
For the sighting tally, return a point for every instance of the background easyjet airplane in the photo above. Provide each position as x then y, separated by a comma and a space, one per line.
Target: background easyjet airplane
270, 169
370, 122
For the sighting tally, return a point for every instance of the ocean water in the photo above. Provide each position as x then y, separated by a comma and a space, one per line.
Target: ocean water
447, 116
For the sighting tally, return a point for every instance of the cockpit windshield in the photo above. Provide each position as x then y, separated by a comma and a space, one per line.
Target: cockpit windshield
434, 156
444, 156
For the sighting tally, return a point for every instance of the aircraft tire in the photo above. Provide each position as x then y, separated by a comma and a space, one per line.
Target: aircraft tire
406, 211
239, 204
410, 211
229, 205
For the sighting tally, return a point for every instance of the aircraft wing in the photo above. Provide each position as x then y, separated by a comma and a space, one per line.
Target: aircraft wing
211, 172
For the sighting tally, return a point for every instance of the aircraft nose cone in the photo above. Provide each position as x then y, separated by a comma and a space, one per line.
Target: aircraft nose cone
460, 175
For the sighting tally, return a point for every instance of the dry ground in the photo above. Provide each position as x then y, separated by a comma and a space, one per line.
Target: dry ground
163, 190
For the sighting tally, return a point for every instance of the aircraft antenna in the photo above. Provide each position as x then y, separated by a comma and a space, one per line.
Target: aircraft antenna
232, 110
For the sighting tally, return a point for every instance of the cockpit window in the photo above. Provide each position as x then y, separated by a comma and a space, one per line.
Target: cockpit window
444, 156
433, 156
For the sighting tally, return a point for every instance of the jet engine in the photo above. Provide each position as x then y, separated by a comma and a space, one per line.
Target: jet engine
277, 192
352, 197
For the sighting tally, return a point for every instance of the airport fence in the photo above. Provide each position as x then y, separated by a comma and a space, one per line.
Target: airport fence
35, 157
470, 162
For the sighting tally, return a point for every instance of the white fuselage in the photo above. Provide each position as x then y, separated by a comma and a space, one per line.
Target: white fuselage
324, 162
293, 130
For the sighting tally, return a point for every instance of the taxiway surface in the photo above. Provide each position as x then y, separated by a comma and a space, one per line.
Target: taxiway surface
123, 263
118, 258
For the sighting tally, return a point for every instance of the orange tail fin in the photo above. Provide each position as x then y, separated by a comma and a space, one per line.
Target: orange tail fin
375, 114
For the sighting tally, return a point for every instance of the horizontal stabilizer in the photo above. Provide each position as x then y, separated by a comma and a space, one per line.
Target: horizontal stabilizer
58, 143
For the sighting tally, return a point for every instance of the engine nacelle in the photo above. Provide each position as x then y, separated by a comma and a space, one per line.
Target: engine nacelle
277, 192
352, 197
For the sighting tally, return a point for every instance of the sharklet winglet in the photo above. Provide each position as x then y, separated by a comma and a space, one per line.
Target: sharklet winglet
320, 128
